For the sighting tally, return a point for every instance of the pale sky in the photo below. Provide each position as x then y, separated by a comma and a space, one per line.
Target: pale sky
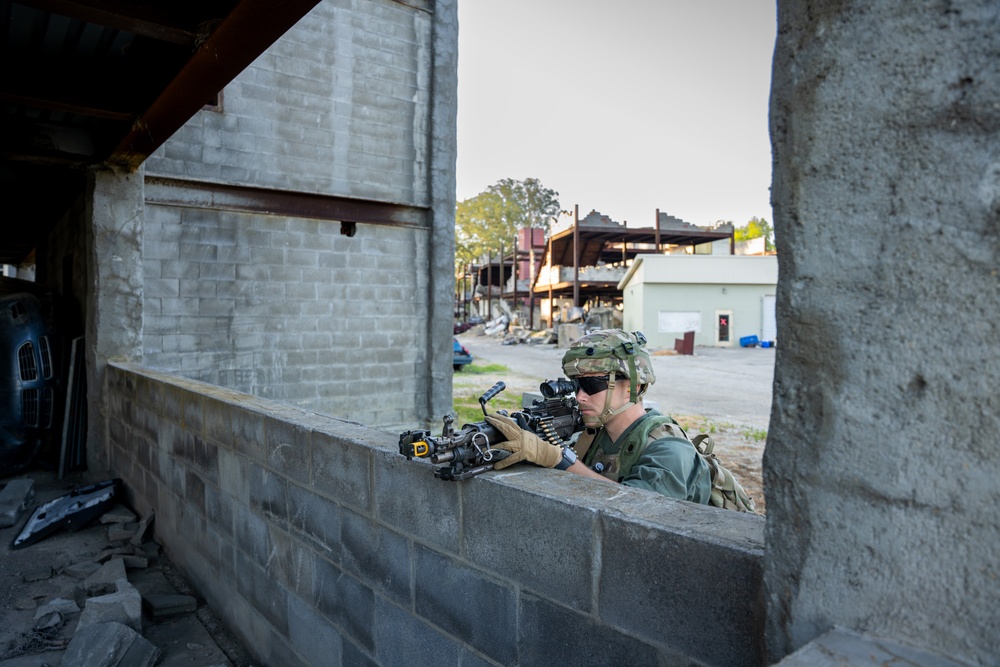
623, 107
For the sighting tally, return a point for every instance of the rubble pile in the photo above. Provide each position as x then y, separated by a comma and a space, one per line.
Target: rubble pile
571, 324
103, 595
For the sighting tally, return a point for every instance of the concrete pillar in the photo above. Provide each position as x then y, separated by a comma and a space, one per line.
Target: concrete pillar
882, 460
443, 150
113, 217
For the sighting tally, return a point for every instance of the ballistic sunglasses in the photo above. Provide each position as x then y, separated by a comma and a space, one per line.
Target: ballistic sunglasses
592, 385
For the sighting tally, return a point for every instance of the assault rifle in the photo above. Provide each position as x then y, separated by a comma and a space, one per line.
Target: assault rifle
470, 450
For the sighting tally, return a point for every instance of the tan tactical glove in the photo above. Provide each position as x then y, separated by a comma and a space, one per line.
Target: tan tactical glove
523, 445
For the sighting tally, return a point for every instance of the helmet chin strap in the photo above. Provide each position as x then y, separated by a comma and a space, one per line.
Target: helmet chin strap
607, 413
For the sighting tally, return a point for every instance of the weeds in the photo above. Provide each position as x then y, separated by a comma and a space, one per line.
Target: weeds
475, 369
466, 405
755, 434
467, 409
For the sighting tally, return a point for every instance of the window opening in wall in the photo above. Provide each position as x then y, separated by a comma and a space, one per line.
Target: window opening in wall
214, 104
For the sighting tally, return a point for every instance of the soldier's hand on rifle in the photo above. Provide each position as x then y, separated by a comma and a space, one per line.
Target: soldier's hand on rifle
523, 445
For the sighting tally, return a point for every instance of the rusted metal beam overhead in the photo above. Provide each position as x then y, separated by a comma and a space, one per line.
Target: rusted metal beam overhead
239, 39
193, 194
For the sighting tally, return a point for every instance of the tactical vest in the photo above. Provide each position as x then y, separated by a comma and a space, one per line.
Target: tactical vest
727, 492
619, 465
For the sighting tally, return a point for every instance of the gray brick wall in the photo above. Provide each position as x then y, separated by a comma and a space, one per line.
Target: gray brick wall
319, 544
340, 105
289, 309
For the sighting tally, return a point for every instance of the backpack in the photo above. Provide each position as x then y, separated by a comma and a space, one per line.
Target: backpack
727, 492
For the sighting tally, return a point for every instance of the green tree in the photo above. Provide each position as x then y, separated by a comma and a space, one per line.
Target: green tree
756, 228
491, 219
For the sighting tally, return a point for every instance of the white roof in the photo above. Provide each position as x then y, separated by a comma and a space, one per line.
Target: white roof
703, 269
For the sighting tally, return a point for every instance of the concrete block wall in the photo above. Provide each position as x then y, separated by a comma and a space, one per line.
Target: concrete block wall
289, 309
882, 454
340, 105
320, 545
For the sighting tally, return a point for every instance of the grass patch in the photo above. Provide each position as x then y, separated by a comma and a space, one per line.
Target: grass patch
755, 434
476, 369
467, 409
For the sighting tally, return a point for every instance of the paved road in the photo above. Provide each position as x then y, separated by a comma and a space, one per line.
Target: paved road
725, 385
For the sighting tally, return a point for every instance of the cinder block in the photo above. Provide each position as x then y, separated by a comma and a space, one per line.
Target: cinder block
217, 417
92, 646
218, 510
316, 518
267, 492
15, 497
123, 606
287, 448
265, 594
409, 498
251, 535
546, 543
106, 577
378, 556
402, 639
466, 603
729, 591
312, 635
550, 634
345, 601
291, 565
341, 469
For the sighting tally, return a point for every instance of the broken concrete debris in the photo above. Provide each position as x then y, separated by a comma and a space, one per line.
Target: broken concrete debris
110, 644
122, 606
15, 498
110, 606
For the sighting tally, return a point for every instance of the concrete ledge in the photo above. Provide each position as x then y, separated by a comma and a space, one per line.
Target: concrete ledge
311, 522
844, 648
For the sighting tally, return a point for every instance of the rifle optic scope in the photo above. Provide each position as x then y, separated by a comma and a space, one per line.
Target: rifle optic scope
560, 387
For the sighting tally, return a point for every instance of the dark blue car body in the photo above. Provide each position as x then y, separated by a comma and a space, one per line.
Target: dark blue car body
462, 356
30, 372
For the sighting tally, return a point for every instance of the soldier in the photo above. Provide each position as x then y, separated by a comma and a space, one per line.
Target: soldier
624, 442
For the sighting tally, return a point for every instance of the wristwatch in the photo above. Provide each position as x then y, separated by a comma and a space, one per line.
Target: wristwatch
568, 459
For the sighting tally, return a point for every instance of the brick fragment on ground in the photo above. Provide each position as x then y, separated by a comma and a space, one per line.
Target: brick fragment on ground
82, 570
123, 606
140, 531
105, 577
109, 644
160, 605
15, 497
61, 605
118, 514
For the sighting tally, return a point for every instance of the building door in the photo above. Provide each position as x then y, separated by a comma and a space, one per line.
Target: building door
723, 328
769, 323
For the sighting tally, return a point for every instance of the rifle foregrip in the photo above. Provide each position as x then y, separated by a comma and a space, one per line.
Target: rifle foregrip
491, 392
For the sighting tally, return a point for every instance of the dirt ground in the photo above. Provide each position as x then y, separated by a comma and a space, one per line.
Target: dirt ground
739, 441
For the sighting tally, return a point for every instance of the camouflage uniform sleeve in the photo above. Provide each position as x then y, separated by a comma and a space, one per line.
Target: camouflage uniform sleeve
672, 467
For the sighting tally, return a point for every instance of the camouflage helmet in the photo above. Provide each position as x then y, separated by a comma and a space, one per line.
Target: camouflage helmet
610, 351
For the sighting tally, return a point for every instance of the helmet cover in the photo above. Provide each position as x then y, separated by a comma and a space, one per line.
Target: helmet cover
609, 351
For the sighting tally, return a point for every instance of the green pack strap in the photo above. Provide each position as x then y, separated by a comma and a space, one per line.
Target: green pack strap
584, 441
727, 492
659, 426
